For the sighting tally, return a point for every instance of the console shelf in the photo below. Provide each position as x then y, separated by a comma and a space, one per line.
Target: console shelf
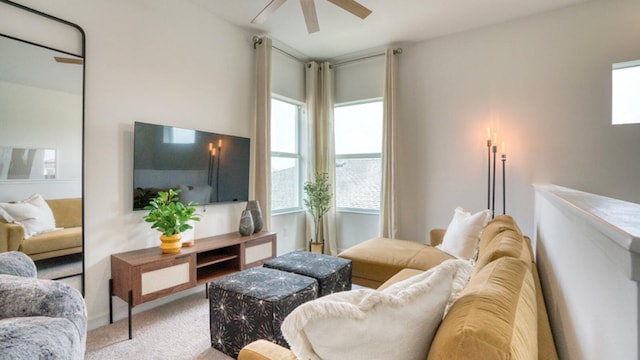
144, 275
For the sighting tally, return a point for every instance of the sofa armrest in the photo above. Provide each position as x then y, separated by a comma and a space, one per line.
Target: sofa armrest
265, 350
18, 264
11, 236
436, 236
27, 297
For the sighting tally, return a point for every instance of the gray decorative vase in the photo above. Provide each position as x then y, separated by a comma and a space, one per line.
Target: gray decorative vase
256, 214
246, 223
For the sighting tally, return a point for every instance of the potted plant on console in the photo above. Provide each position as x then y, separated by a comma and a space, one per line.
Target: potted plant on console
169, 216
318, 193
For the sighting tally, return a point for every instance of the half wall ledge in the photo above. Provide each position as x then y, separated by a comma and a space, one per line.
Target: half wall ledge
617, 220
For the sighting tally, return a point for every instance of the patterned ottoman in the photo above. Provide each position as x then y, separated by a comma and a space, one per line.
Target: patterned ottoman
251, 304
333, 273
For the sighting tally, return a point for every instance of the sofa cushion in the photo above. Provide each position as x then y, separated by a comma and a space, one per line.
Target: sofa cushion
494, 227
463, 233
396, 323
377, 260
67, 212
506, 243
495, 317
33, 214
58, 240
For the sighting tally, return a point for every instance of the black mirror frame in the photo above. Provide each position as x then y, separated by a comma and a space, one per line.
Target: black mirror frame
84, 57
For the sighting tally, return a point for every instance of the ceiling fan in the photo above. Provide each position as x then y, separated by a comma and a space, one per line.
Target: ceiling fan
309, 11
68, 60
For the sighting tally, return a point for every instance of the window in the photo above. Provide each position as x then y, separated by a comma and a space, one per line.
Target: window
286, 160
358, 141
625, 88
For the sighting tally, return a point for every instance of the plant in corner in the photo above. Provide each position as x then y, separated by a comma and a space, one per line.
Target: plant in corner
318, 193
169, 216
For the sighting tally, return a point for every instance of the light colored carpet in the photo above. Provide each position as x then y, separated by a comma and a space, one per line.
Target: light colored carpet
177, 330
59, 267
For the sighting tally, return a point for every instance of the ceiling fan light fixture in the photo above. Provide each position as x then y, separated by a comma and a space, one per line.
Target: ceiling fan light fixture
309, 11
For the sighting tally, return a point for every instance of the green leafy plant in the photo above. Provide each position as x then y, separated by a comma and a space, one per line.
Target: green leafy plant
317, 201
168, 215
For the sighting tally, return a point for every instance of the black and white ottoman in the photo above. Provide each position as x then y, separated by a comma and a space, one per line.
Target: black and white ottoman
333, 273
251, 305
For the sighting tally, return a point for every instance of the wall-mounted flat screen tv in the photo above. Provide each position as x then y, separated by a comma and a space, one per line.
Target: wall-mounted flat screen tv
207, 167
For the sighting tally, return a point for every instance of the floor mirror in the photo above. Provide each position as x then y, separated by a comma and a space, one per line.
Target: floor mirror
42, 68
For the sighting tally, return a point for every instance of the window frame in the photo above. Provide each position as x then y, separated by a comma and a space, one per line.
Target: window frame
362, 156
301, 111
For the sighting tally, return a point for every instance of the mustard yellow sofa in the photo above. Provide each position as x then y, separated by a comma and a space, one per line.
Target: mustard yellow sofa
500, 314
64, 241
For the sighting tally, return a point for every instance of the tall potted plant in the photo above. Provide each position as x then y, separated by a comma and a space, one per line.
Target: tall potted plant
169, 216
318, 193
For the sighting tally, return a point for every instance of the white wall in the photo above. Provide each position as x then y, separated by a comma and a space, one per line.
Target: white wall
54, 124
164, 62
543, 83
587, 258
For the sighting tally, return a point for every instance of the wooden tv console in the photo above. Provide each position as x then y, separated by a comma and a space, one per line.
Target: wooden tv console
144, 275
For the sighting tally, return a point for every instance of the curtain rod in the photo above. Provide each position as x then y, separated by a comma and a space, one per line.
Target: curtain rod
396, 51
257, 41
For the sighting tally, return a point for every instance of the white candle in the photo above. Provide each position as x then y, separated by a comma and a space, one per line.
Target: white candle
503, 148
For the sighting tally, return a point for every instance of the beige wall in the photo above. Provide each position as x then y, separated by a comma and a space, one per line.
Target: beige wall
544, 83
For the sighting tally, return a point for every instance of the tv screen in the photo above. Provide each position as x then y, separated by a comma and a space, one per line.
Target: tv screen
208, 168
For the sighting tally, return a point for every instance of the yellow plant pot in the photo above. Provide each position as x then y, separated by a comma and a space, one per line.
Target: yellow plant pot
170, 244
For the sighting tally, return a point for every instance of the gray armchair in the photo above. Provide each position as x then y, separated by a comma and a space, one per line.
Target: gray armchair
39, 319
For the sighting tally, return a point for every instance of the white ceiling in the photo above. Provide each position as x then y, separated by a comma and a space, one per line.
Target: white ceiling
392, 21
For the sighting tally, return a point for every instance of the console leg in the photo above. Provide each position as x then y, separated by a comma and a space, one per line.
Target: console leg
130, 320
206, 290
110, 301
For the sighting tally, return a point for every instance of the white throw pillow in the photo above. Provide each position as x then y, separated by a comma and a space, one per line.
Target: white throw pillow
462, 235
396, 323
33, 214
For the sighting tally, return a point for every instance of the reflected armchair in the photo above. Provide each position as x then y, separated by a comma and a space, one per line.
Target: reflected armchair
39, 319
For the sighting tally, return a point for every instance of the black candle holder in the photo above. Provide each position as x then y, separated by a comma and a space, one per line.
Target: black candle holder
488, 173
504, 184
494, 149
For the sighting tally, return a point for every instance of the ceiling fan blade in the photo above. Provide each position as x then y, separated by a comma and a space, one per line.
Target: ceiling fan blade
353, 7
267, 11
66, 60
310, 15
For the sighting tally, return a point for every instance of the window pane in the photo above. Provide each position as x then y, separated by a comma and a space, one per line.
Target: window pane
358, 183
285, 183
626, 89
358, 128
283, 127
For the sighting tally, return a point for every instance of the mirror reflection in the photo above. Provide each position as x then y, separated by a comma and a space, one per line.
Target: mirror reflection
21, 163
41, 157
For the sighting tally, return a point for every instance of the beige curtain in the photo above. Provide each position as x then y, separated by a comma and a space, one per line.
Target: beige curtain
320, 100
262, 186
388, 206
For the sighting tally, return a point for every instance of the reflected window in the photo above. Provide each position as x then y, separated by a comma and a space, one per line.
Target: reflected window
625, 90
27, 163
173, 135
